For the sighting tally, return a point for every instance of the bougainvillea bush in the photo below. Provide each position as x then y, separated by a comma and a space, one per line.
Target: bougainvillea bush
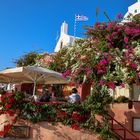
10, 106
109, 56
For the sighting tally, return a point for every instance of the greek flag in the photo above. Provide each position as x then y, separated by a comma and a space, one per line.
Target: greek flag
81, 18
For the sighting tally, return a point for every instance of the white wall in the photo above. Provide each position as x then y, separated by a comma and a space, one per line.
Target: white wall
133, 9
66, 40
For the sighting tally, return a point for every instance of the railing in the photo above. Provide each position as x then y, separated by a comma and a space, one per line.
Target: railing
121, 132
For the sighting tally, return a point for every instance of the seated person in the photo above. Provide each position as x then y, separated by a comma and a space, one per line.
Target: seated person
52, 93
74, 97
45, 97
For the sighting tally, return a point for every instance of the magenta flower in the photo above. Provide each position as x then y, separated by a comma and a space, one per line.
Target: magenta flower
109, 25
126, 40
114, 34
133, 66
105, 54
97, 24
66, 73
100, 71
122, 85
88, 71
100, 83
119, 16
110, 85
126, 47
103, 62
131, 31
109, 38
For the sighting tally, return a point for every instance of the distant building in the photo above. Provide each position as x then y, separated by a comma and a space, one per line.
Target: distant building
64, 40
133, 10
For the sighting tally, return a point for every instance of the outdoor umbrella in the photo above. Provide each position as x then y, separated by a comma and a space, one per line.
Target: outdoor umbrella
32, 74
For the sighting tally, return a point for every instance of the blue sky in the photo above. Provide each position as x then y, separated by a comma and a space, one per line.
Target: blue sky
33, 25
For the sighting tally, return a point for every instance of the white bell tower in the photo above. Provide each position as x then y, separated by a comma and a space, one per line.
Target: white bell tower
64, 39
64, 28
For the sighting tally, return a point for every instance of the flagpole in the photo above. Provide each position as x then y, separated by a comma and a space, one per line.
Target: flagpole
78, 18
75, 27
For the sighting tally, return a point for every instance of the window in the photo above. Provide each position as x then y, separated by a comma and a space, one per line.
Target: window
135, 11
136, 124
61, 45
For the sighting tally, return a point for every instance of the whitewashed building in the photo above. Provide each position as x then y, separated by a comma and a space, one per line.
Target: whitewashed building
132, 11
64, 39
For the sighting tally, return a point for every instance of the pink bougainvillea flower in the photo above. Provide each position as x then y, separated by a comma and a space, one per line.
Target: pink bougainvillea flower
114, 33
109, 25
109, 38
126, 40
105, 54
66, 73
133, 66
111, 85
100, 83
100, 71
127, 47
103, 62
132, 31
119, 16
97, 24
88, 71
122, 85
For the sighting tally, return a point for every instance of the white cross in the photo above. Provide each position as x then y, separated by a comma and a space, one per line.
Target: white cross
78, 16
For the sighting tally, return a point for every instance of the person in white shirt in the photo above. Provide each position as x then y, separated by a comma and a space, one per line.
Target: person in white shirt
74, 97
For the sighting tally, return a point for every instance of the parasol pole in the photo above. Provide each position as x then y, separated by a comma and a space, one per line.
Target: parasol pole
75, 26
34, 89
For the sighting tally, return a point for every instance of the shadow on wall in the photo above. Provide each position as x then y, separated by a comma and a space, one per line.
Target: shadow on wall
55, 130
136, 92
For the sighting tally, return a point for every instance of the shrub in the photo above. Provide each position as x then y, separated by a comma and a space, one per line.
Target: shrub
122, 99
